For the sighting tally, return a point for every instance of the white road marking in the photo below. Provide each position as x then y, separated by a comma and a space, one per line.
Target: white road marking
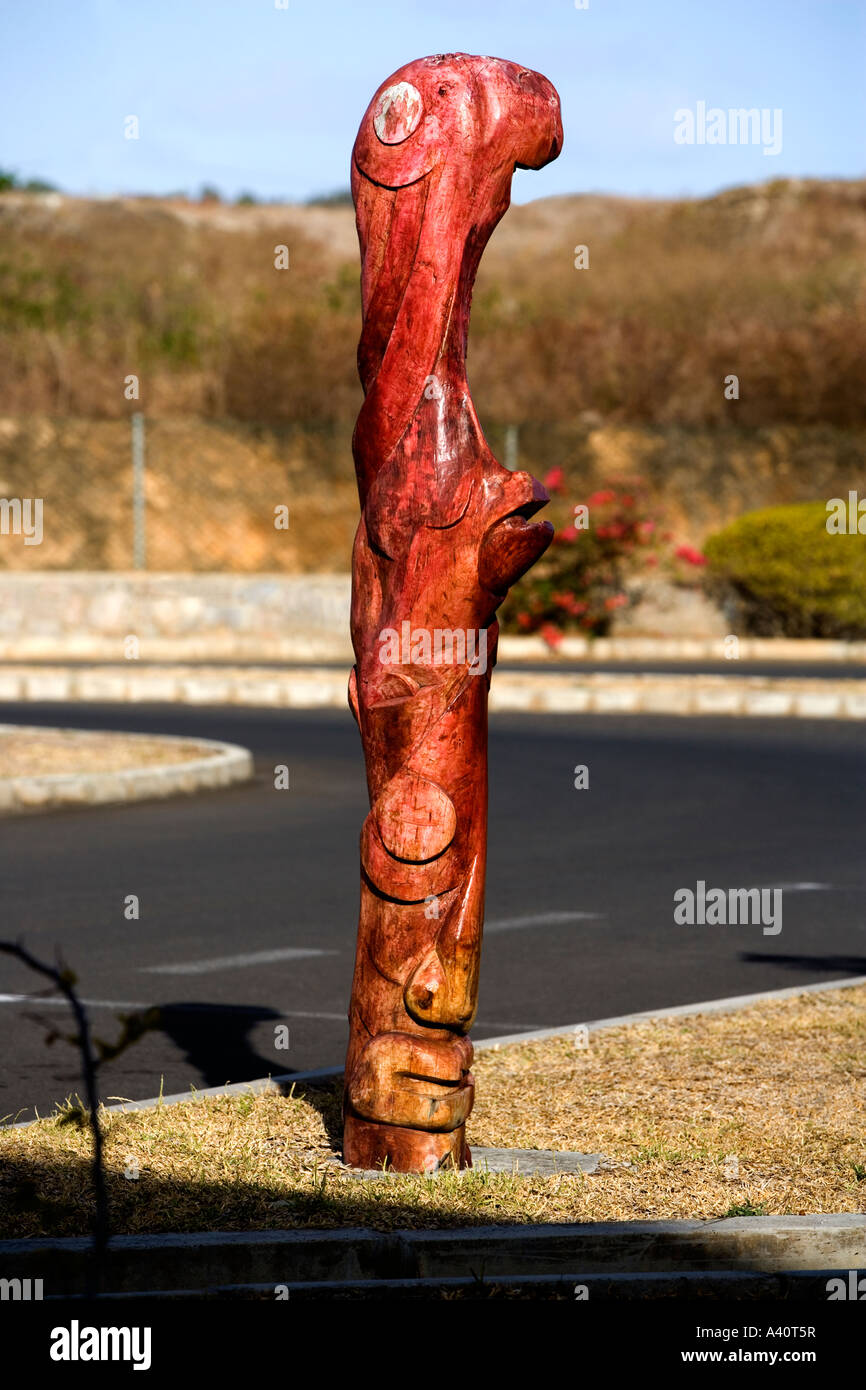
803, 887
300, 1013
342, 1018
541, 919
64, 1003
203, 967
285, 1013
499, 1023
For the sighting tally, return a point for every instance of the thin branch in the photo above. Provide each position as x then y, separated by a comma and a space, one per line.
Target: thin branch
64, 980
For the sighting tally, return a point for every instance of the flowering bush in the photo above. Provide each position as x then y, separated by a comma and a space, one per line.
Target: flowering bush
580, 582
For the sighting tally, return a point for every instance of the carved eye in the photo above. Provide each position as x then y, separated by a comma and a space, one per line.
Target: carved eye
397, 113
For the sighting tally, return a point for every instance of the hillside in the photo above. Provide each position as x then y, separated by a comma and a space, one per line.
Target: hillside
248, 382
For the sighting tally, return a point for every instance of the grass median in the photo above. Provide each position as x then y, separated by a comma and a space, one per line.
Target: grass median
31, 752
750, 1113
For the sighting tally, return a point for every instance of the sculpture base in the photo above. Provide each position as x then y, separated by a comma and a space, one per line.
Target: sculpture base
523, 1163
368, 1145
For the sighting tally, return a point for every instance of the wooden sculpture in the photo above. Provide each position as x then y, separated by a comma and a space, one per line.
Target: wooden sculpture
444, 532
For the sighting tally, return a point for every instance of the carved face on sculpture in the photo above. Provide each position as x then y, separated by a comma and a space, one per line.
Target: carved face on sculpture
478, 113
431, 177
444, 532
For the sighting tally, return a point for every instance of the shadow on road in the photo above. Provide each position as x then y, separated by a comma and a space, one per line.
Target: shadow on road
837, 965
214, 1039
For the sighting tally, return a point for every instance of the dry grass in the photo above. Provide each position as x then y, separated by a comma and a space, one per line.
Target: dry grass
778, 1087
249, 382
53, 752
764, 281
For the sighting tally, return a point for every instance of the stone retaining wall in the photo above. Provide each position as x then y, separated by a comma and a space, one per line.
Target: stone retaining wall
174, 616
67, 616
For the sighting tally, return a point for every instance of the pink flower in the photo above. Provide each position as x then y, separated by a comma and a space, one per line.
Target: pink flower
555, 480
601, 499
552, 636
615, 601
568, 533
690, 555
569, 603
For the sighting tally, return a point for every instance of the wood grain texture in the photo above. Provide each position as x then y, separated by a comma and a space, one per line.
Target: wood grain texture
444, 532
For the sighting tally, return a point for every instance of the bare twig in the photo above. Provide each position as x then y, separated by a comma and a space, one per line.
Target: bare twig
64, 980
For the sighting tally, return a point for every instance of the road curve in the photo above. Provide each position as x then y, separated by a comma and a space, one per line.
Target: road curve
247, 897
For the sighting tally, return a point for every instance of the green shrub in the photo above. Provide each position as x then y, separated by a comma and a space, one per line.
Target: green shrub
781, 573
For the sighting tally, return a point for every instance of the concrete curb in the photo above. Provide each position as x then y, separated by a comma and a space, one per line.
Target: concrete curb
781, 649
729, 1005
328, 640
226, 763
139, 1264
283, 1083
547, 692
795, 1284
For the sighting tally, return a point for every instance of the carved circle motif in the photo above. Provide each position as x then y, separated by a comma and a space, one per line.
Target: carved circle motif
397, 113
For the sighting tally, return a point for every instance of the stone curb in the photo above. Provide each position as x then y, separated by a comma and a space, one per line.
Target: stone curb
325, 643
781, 649
547, 692
138, 1264
228, 763
729, 1005
283, 1083
704, 1284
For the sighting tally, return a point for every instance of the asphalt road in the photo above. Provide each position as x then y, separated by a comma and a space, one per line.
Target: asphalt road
248, 897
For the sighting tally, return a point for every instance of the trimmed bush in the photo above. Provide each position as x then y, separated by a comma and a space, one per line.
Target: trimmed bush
781, 573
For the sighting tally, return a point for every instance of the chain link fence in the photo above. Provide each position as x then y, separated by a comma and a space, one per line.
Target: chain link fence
186, 495
177, 496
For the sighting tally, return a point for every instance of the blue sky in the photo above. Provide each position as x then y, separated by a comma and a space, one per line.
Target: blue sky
243, 95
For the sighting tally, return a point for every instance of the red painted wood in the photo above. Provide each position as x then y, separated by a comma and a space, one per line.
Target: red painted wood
444, 532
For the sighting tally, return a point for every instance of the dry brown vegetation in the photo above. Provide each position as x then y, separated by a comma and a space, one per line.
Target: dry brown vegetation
768, 282
26, 752
608, 371
758, 1111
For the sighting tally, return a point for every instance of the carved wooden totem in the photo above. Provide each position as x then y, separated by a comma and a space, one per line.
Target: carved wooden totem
444, 532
